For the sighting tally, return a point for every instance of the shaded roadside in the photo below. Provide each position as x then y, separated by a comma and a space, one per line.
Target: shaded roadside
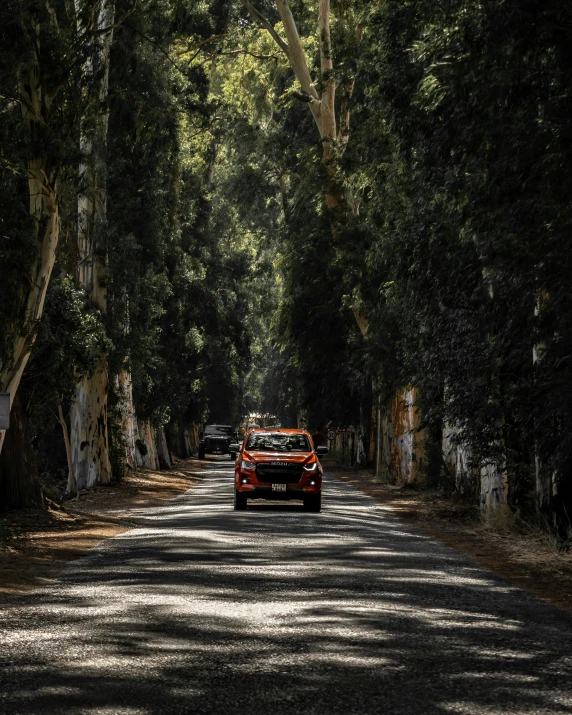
526, 557
35, 545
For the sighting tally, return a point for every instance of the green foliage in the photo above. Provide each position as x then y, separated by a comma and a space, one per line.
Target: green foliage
71, 341
269, 188
465, 109
233, 290
26, 25
177, 297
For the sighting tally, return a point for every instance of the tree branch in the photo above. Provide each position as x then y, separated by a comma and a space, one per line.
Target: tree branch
197, 46
116, 25
250, 54
298, 61
303, 97
327, 68
263, 22
156, 45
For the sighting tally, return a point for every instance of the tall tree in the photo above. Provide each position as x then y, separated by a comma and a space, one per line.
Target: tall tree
89, 429
38, 47
331, 113
34, 27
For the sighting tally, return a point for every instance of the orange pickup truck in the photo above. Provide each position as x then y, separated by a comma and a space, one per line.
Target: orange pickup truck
279, 464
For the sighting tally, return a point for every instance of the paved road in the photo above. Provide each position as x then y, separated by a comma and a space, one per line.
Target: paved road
274, 611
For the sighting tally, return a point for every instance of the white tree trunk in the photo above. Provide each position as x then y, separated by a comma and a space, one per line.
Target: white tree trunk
124, 387
328, 103
90, 442
379, 439
298, 62
361, 455
544, 480
401, 451
322, 108
490, 481
458, 461
163, 454
72, 481
44, 211
494, 493
188, 441
149, 460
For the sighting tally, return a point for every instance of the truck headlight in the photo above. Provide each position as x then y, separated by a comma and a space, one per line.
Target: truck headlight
245, 464
311, 467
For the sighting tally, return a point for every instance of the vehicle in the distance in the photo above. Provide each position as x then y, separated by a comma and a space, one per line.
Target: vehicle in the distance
218, 439
279, 464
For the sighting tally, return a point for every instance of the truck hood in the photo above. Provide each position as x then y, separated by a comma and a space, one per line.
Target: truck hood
268, 457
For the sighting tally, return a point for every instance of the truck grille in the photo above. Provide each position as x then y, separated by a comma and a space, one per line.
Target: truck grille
279, 474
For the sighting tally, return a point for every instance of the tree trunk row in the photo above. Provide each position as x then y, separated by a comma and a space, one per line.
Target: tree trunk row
89, 416
399, 451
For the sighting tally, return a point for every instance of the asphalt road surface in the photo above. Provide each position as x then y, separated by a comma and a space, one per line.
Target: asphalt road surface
201, 609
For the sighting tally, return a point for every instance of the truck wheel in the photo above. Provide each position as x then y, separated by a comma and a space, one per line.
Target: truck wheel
240, 501
313, 502
201, 452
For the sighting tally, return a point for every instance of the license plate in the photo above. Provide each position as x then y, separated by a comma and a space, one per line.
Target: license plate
278, 487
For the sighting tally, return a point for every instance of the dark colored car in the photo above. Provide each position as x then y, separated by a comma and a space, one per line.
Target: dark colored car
218, 439
279, 464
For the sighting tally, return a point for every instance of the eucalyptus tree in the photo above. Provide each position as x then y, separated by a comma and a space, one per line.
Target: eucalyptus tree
462, 124
39, 105
144, 194
176, 270
29, 36
89, 432
71, 340
272, 177
332, 122
327, 90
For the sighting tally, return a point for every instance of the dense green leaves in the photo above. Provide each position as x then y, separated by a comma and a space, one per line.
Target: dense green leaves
466, 108
232, 288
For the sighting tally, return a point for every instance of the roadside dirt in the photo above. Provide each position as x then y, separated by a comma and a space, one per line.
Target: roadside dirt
524, 556
35, 545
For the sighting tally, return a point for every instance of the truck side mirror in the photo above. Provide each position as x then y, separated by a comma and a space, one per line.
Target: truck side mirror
320, 451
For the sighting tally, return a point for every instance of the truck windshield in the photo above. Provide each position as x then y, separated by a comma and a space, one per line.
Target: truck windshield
219, 431
277, 442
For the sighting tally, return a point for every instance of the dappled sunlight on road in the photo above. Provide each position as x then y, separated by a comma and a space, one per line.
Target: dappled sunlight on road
202, 609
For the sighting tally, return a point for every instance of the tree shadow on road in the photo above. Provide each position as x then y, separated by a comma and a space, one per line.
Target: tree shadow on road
274, 610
